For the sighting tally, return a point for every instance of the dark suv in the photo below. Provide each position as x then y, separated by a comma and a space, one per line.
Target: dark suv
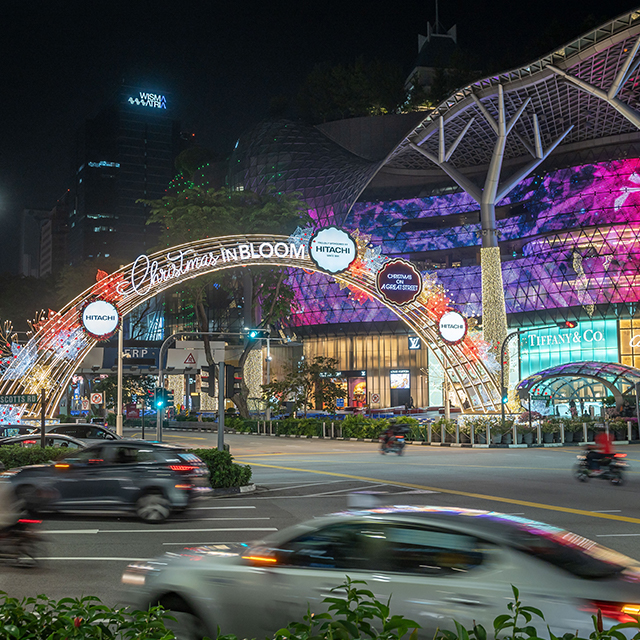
120, 475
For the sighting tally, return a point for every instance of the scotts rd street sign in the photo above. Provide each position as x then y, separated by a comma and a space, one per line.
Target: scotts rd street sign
332, 249
452, 327
25, 398
399, 282
100, 319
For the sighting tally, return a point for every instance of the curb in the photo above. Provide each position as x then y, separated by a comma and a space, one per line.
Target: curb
228, 491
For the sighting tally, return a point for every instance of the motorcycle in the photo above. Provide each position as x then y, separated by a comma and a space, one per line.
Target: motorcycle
395, 444
22, 545
612, 468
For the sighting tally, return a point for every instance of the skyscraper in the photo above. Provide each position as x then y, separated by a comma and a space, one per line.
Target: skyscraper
123, 154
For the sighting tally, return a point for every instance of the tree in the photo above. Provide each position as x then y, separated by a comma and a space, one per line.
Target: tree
262, 293
351, 91
131, 385
22, 298
306, 383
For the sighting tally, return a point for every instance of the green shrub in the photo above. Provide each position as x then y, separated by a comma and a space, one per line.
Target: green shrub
224, 472
41, 618
298, 427
16, 456
358, 426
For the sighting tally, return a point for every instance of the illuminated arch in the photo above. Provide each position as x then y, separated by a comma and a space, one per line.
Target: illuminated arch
60, 344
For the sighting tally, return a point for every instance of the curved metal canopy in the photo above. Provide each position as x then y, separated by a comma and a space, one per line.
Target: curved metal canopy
575, 380
586, 90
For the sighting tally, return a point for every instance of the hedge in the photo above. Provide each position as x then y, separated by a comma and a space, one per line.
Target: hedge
224, 472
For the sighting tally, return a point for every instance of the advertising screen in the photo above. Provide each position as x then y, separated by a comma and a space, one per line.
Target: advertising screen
550, 346
400, 379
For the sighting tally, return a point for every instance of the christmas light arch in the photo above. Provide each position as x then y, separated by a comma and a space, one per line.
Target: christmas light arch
52, 355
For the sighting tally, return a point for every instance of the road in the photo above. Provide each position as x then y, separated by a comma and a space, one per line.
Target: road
298, 478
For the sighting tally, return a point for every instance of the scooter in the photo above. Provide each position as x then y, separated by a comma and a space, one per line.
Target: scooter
395, 444
22, 545
612, 468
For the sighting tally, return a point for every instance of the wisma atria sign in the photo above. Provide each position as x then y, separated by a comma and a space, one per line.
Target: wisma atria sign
145, 99
100, 319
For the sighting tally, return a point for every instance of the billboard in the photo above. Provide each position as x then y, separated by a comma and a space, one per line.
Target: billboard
550, 346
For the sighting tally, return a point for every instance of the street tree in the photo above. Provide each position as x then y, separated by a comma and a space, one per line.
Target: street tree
138, 386
261, 296
306, 383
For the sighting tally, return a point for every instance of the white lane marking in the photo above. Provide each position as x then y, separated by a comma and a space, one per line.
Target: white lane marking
90, 559
618, 535
209, 519
157, 530
350, 489
209, 508
55, 531
310, 484
608, 511
194, 544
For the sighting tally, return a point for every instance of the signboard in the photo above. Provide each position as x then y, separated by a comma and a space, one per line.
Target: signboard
100, 319
400, 378
357, 373
375, 398
146, 99
595, 340
132, 411
399, 282
25, 398
85, 404
415, 344
452, 327
332, 249
183, 357
141, 355
96, 398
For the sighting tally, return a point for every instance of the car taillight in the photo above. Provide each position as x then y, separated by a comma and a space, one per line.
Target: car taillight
182, 468
618, 611
25, 521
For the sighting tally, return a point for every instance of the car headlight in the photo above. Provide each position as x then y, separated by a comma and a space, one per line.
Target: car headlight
136, 574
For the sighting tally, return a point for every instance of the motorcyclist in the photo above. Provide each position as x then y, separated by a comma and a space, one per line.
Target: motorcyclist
603, 448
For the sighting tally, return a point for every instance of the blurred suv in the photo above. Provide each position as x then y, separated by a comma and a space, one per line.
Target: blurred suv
84, 431
152, 480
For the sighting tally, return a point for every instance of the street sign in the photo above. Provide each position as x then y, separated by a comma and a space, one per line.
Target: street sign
96, 398
375, 398
25, 398
85, 404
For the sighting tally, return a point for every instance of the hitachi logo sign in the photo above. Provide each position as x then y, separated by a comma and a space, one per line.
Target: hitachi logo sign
102, 318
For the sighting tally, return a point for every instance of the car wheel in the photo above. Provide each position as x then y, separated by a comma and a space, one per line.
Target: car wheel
153, 507
187, 625
617, 478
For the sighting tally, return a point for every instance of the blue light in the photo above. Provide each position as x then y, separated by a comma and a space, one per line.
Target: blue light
154, 100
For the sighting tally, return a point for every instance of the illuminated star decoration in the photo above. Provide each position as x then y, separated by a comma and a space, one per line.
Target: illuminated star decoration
23, 359
68, 343
373, 259
109, 287
301, 236
10, 413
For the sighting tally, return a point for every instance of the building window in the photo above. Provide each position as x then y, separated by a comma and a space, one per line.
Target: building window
630, 342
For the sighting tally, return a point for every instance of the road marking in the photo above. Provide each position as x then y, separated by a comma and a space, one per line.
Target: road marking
350, 489
157, 530
454, 492
91, 559
194, 544
210, 519
608, 511
618, 535
302, 486
238, 507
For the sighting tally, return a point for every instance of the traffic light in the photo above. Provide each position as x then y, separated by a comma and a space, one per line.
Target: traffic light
568, 324
168, 398
255, 334
212, 370
160, 398
505, 398
232, 380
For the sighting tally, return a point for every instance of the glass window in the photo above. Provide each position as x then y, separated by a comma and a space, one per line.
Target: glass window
385, 547
125, 455
90, 455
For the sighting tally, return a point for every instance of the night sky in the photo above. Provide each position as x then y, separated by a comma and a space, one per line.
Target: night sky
222, 61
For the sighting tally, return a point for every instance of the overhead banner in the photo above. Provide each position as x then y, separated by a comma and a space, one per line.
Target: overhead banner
100, 319
332, 249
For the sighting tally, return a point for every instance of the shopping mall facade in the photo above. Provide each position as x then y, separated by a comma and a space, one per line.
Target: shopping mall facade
539, 166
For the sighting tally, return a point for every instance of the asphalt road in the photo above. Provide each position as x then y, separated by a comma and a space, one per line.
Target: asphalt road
298, 478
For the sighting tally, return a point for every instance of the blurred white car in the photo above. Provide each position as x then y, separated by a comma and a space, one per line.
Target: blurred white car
438, 564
